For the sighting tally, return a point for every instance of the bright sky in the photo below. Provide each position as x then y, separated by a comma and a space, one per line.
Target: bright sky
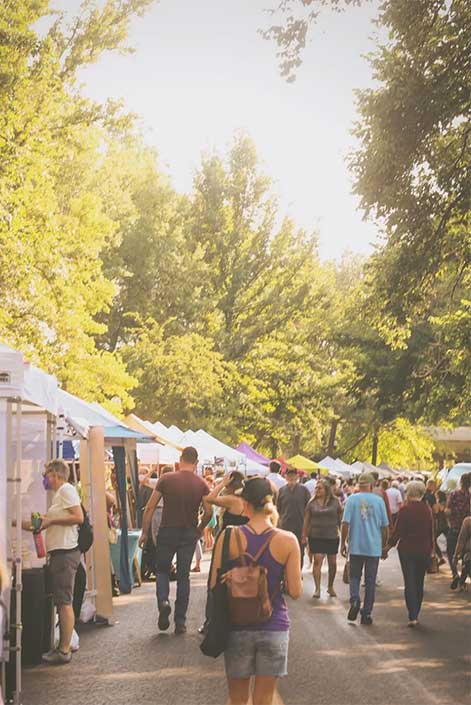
201, 72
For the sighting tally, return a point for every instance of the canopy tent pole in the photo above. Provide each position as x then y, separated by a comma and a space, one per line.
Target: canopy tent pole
17, 555
119, 456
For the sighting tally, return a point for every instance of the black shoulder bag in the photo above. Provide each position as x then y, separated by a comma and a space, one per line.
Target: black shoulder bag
215, 641
85, 533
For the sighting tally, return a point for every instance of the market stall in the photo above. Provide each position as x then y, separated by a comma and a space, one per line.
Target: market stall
28, 408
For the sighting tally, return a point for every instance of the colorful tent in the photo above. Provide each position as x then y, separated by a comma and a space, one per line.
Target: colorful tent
252, 454
301, 463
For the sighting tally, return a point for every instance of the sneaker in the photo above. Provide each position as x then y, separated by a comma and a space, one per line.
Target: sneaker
353, 612
366, 619
180, 629
455, 582
57, 658
164, 614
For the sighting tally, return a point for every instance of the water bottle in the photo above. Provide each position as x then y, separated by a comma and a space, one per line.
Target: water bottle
38, 538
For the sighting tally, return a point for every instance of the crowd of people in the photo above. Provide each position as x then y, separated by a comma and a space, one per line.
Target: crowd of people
258, 531
268, 524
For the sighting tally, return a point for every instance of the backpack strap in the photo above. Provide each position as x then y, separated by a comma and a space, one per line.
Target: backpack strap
264, 546
240, 548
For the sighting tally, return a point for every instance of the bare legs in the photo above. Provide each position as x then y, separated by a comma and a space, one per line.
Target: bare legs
317, 569
66, 627
332, 563
316, 572
263, 692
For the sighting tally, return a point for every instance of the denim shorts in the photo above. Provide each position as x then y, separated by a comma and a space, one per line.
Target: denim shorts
256, 653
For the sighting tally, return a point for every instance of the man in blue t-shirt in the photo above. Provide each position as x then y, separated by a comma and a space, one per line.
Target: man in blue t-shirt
365, 525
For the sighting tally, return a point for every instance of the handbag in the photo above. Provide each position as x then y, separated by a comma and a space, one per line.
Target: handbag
219, 625
346, 572
433, 565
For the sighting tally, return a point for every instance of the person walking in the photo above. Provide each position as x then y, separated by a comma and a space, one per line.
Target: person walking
291, 504
322, 520
183, 494
463, 551
261, 650
441, 523
61, 525
274, 475
224, 496
458, 507
311, 484
413, 533
365, 527
395, 499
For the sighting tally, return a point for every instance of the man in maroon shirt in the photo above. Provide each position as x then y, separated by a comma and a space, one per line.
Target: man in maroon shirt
458, 507
183, 494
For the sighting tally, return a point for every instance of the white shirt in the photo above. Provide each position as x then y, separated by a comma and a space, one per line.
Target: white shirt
277, 479
311, 485
57, 536
395, 499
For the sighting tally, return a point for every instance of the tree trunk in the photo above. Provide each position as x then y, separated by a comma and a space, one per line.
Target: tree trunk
332, 436
374, 450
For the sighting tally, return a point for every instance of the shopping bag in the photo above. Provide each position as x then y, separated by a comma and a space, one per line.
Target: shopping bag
217, 633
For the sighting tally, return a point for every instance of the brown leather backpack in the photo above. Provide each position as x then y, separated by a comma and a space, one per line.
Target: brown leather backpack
247, 587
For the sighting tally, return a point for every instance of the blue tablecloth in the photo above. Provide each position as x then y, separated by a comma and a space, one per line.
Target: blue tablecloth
134, 550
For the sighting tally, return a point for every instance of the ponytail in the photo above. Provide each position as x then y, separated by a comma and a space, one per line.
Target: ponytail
269, 509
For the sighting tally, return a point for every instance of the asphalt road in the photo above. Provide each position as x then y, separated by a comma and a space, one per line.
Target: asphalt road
331, 662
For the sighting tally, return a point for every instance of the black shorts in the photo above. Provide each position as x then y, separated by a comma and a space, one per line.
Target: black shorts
329, 547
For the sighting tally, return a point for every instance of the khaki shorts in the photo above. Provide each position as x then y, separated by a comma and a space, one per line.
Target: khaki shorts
62, 568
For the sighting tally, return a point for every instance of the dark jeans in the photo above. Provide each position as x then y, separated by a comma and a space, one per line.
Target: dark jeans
182, 542
414, 568
371, 564
451, 541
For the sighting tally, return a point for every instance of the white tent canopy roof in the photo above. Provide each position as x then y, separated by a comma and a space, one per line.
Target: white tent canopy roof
23, 380
154, 453
222, 449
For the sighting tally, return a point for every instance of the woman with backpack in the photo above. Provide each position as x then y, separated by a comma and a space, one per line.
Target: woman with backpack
258, 640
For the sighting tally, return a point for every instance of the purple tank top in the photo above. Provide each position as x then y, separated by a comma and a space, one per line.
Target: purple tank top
279, 621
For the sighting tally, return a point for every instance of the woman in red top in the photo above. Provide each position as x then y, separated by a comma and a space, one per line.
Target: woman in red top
413, 531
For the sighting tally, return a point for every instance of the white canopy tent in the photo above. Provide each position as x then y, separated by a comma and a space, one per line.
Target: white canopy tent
223, 450
157, 454
28, 406
328, 463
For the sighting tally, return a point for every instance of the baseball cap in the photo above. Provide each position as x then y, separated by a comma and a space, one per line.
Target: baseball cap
366, 479
254, 490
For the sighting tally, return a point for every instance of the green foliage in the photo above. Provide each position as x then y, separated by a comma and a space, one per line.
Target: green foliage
400, 445
53, 221
412, 173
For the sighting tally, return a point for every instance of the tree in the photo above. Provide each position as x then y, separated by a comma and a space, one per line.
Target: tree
53, 224
181, 378
413, 174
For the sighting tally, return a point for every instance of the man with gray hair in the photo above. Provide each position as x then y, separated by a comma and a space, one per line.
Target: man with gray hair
61, 523
365, 527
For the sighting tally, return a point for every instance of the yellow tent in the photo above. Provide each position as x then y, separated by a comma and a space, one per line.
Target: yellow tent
301, 463
323, 471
